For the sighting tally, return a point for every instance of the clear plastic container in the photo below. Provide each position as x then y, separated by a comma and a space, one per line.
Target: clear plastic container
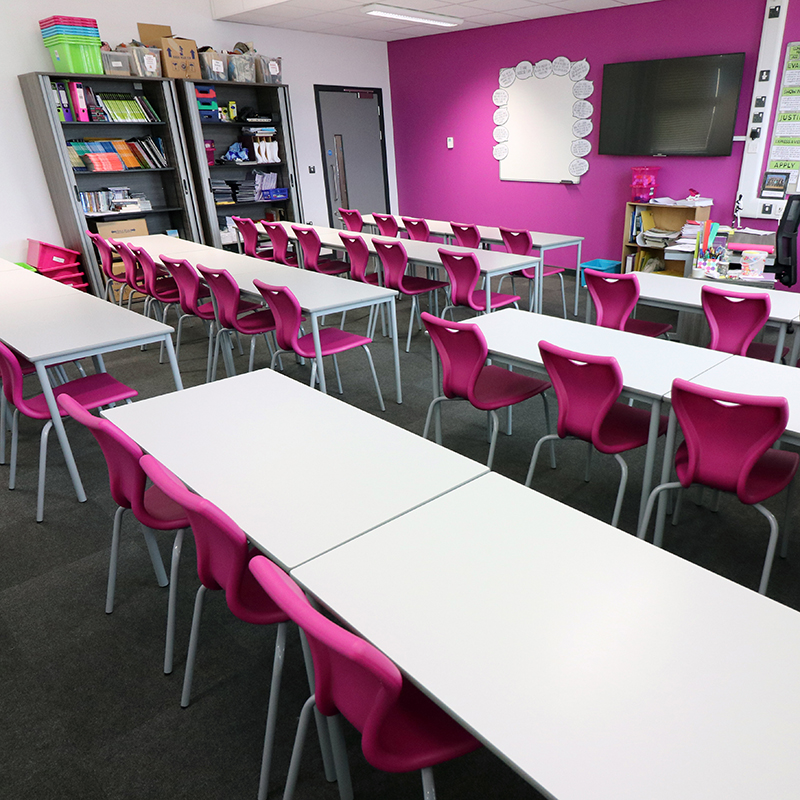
753, 262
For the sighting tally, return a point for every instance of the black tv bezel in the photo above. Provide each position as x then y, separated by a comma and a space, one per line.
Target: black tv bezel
650, 152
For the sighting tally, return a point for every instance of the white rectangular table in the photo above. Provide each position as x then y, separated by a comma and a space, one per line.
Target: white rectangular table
684, 294
299, 471
492, 263
49, 322
542, 242
160, 244
595, 665
648, 365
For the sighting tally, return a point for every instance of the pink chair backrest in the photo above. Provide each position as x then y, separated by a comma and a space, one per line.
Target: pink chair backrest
134, 276
725, 434
417, 229
352, 219
586, 387
516, 241
280, 241
735, 318
310, 244
614, 297
387, 225
188, 283
463, 352
222, 550
286, 311
122, 454
11, 375
466, 235
226, 294
463, 269
394, 258
351, 676
358, 253
249, 235
149, 270
106, 254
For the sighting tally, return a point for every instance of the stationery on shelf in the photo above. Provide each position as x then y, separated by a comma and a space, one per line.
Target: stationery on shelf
65, 106
76, 93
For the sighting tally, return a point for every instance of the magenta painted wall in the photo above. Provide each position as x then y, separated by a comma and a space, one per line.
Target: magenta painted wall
442, 86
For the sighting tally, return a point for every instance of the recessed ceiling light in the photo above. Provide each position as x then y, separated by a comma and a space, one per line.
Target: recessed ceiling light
410, 15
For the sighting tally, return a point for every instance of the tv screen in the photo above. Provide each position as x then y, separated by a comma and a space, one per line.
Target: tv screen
671, 107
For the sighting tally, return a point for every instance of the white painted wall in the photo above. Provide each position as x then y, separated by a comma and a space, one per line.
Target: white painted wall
25, 207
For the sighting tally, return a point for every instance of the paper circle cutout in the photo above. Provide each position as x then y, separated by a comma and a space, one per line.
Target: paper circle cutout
500, 116
582, 89
580, 148
500, 151
500, 97
561, 65
579, 70
543, 68
582, 109
524, 70
500, 134
507, 77
578, 167
582, 127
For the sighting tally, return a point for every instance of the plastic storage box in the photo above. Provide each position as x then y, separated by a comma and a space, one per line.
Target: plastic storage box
115, 63
72, 54
268, 70
45, 256
602, 265
145, 61
276, 194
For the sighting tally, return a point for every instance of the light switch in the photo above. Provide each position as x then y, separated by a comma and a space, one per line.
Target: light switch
449, 142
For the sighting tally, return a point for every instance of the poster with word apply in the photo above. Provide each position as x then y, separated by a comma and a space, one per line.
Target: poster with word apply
542, 117
784, 151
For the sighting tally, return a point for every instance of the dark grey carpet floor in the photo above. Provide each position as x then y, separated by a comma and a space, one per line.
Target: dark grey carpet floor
87, 712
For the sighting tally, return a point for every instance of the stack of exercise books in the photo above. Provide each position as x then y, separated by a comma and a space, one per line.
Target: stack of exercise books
136, 153
223, 194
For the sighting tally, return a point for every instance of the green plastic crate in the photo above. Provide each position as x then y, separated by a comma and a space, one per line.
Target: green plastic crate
75, 56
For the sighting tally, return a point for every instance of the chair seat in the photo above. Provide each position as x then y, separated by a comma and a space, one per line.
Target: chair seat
164, 509
414, 285
372, 278
331, 340
92, 391
530, 272
646, 328
259, 321
497, 387
625, 428
770, 474
205, 310
478, 301
765, 352
416, 734
332, 266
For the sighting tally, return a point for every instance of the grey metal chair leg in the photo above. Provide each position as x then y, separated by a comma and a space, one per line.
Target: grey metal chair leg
112, 562
374, 377
192, 653
623, 482
272, 711
551, 437
169, 645
773, 542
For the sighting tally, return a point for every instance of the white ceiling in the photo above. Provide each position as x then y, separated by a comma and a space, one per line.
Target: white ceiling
345, 18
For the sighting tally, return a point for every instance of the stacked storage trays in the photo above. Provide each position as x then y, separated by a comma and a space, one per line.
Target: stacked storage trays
74, 44
59, 263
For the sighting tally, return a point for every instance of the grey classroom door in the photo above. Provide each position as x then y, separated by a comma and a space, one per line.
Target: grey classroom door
353, 151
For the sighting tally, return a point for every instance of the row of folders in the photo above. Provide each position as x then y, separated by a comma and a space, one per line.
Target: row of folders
77, 102
116, 155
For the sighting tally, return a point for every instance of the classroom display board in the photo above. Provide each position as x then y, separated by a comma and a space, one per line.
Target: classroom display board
783, 165
542, 118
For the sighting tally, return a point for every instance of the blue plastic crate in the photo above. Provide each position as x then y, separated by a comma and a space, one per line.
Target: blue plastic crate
601, 264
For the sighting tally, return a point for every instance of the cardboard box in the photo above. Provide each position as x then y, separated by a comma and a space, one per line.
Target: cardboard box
122, 228
178, 56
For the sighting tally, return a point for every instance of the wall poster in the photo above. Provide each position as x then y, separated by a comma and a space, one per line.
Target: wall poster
783, 164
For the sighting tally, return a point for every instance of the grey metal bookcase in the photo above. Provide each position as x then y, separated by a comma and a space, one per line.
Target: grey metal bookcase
170, 190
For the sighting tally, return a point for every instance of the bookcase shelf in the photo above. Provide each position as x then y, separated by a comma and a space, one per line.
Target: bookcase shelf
170, 189
270, 101
658, 216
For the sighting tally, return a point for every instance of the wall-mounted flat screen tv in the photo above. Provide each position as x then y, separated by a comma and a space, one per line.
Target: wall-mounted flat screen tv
671, 107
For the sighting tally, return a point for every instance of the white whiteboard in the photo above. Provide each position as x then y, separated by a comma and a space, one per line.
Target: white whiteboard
542, 117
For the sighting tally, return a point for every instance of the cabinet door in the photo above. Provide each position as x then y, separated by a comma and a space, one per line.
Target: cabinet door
227, 187
136, 141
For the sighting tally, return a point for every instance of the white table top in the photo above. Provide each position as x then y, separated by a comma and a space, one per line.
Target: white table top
597, 665
488, 233
22, 287
680, 292
491, 261
159, 243
752, 376
648, 365
299, 471
72, 322
10, 266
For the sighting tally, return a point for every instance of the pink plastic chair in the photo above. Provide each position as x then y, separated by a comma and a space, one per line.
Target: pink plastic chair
249, 231
520, 243
464, 271
466, 235
416, 229
280, 243
463, 352
387, 225
358, 254
588, 388
310, 246
223, 556
228, 307
735, 319
288, 317
615, 297
352, 219
134, 276
151, 507
727, 446
106, 264
394, 258
91, 391
401, 729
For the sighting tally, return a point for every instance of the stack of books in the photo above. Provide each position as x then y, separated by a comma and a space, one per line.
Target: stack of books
137, 153
223, 194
